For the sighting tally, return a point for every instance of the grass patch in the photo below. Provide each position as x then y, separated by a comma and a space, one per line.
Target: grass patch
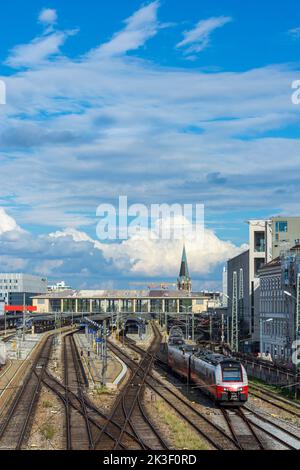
47, 404
182, 436
103, 390
284, 392
48, 431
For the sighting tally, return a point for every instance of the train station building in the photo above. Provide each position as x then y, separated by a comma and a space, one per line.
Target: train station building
182, 300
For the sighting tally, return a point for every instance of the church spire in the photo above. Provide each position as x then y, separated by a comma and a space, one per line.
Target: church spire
184, 281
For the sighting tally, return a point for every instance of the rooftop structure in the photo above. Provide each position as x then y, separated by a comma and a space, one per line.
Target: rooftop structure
184, 281
59, 286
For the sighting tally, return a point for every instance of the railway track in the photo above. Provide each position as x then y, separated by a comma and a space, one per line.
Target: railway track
83, 421
15, 427
245, 423
211, 432
273, 399
276, 431
242, 430
77, 426
96, 418
8, 338
129, 413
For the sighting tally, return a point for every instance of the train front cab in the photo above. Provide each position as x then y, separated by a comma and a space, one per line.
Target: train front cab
232, 383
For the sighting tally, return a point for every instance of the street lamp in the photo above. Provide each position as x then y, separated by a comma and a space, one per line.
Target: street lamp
261, 332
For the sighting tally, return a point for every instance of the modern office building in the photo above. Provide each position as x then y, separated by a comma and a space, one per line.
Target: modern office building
284, 231
15, 288
268, 239
243, 285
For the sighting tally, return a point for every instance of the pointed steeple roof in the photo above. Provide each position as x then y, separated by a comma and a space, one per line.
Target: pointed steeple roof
184, 269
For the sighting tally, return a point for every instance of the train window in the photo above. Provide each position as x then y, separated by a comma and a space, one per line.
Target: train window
232, 373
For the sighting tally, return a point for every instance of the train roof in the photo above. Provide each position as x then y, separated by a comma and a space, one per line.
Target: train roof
214, 358
180, 344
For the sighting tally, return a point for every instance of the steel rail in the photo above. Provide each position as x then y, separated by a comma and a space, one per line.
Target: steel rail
157, 384
36, 378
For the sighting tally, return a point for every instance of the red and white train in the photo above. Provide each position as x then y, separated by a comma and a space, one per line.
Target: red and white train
223, 378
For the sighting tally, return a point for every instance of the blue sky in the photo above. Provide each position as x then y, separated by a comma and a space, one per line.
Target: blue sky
164, 101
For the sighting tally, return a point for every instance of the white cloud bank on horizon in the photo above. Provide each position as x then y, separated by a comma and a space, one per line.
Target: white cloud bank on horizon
68, 250
145, 255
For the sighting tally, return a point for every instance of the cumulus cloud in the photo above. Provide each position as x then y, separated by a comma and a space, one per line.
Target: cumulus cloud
198, 38
7, 223
145, 254
151, 258
56, 257
48, 16
75, 255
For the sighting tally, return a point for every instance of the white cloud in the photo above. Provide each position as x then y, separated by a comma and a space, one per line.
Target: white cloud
76, 235
42, 47
81, 124
140, 27
146, 255
198, 38
39, 50
143, 256
10, 263
7, 223
48, 266
48, 16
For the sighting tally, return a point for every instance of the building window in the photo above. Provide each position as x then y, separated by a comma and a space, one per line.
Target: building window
259, 242
281, 226
258, 263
